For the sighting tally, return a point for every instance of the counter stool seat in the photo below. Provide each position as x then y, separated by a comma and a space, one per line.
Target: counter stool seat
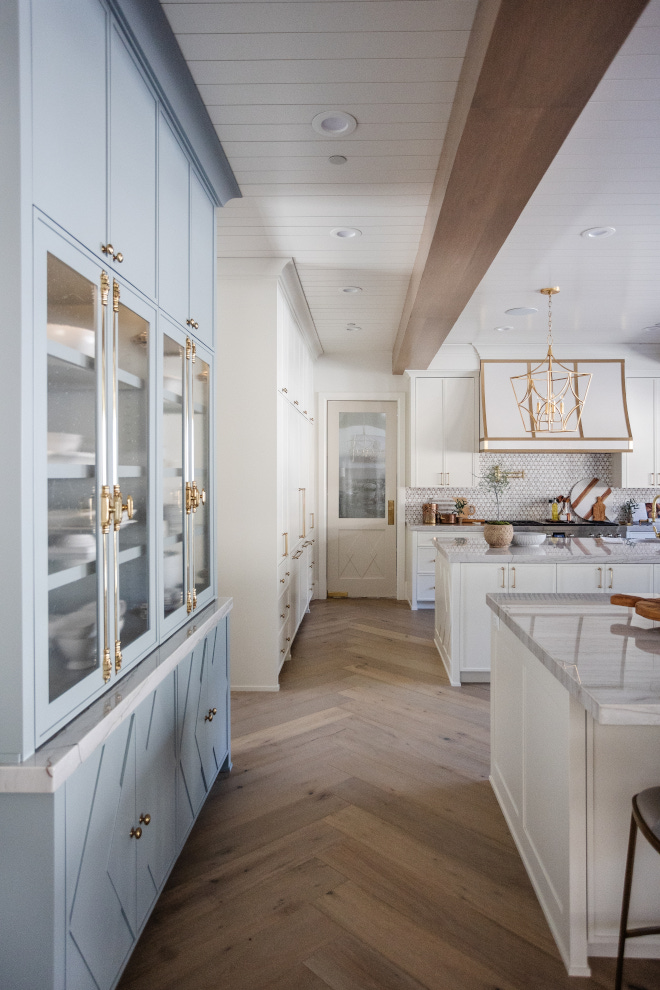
645, 817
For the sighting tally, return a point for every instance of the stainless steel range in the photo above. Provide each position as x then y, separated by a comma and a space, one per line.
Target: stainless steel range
562, 528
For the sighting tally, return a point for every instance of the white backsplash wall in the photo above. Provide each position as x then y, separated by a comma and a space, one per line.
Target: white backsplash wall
546, 475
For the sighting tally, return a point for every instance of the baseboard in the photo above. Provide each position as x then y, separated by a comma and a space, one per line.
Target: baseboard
255, 687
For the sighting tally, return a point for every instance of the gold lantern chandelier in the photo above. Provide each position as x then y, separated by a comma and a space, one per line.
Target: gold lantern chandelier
551, 396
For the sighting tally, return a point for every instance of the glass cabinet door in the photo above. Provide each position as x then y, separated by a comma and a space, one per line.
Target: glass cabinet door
73, 303
133, 609
94, 573
173, 433
200, 472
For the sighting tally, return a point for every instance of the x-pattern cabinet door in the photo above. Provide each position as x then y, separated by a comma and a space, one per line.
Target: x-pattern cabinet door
101, 859
191, 709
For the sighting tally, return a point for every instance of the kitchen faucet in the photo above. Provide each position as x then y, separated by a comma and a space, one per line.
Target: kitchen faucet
654, 515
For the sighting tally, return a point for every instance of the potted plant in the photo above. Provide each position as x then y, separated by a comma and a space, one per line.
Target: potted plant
628, 510
459, 505
497, 533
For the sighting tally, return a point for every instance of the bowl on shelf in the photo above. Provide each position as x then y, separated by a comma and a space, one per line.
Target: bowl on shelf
64, 443
528, 539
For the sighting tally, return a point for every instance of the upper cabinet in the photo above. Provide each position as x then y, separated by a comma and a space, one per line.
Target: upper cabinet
186, 240
102, 149
443, 432
69, 116
641, 468
295, 364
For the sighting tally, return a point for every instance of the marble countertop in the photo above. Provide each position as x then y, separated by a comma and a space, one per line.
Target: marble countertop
607, 657
444, 529
57, 759
574, 550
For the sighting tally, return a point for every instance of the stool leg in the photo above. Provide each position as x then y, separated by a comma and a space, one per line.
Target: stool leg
625, 904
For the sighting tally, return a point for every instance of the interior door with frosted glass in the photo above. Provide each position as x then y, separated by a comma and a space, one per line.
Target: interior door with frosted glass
362, 499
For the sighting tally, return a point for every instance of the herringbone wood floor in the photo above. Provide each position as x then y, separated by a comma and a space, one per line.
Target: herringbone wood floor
357, 844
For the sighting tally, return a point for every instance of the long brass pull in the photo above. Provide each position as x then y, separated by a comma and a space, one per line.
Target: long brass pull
611, 584
188, 441
502, 569
104, 514
312, 523
600, 577
286, 544
390, 512
304, 513
513, 572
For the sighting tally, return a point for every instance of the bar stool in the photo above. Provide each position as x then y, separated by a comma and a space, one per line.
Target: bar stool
646, 818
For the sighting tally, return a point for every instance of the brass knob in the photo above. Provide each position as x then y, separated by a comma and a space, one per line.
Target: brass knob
282, 615
295, 402
189, 322
282, 651
145, 819
209, 717
285, 390
107, 249
281, 580
304, 412
119, 257
287, 606
287, 573
288, 639
215, 711
196, 325
136, 833
202, 496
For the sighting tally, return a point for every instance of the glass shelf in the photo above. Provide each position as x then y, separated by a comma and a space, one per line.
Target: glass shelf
83, 568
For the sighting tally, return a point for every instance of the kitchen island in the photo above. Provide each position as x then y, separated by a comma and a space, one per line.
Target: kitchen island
467, 569
575, 733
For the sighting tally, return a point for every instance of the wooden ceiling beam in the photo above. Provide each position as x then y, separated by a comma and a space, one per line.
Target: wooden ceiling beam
530, 69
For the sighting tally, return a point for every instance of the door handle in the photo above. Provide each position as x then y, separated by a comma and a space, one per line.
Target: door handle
513, 572
502, 569
390, 512
600, 577
611, 584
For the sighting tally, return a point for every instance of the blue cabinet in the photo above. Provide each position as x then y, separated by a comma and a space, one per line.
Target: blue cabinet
69, 115
132, 168
186, 240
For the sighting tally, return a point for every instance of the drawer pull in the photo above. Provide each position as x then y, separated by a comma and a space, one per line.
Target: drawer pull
282, 615
212, 712
611, 584
600, 577
145, 819
287, 606
513, 571
136, 833
502, 569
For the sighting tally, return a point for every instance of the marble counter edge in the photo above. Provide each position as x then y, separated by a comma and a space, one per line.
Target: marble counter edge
622, 712
57, 759
549, 555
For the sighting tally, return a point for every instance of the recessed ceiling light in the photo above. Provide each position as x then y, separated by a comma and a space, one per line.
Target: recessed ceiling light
598, 232
521, 311
351, 289
502, 329
334, 123
346, 232
337, 159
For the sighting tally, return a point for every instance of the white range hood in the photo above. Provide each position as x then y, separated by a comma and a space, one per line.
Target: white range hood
604, 427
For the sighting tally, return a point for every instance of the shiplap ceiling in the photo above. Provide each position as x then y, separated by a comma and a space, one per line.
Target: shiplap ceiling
264, 71
607, 173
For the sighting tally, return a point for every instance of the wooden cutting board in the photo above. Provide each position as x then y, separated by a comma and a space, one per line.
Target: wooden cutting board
585, 493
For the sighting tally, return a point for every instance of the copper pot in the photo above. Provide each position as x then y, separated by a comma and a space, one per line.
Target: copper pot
448, 517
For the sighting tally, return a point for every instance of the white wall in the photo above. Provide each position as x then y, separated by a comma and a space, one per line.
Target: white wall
369, 371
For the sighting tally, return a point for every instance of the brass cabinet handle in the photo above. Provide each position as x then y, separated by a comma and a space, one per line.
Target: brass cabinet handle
287, 606
312, 523
502, 570
611, 584
145, 819
281, 580
286, 544
285, 390
282, 651
513, 571
600, 577
390, 512
110, 251
212, 712
288, 573
136, 833
118, 507
282, 615
288, 639
303, 535
295, 402
191, 323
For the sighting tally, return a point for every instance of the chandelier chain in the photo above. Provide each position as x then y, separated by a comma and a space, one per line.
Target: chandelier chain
549, 320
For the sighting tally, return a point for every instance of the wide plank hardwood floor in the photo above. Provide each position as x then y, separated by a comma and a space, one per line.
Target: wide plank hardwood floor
357, 844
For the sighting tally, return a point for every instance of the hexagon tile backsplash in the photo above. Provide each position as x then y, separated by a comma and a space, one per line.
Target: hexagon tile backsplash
546, 475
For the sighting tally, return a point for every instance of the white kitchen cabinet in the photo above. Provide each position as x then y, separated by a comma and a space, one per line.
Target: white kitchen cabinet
443, 432
585, 578
641, 467
462, 618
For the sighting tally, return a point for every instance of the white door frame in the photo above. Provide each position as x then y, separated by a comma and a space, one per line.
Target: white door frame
322, 536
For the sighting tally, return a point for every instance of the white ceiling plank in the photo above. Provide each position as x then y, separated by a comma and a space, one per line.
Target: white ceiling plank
274, 16
368, 132
311, 149
366, 114
307, 70
336, 44
330, 94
